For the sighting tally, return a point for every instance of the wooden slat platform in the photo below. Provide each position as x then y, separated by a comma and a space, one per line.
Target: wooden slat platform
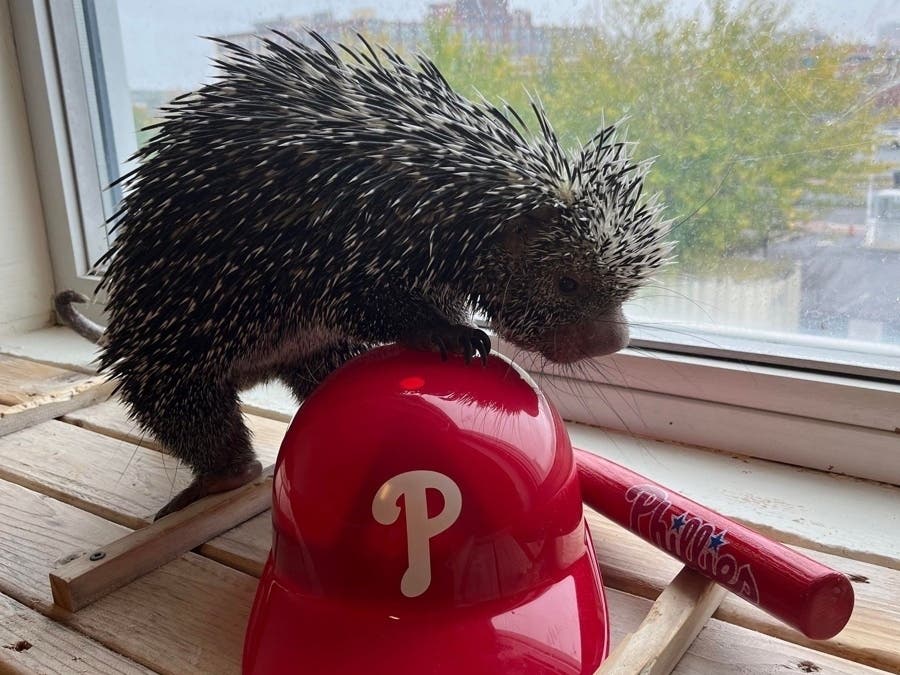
86, 478
31, 392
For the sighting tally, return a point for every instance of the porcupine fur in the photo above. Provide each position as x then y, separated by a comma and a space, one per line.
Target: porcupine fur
311, 202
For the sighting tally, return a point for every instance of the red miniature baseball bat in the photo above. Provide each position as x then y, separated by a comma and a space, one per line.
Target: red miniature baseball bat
805, 594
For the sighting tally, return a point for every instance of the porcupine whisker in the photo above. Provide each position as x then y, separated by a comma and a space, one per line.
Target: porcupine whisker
630, 389
653, 354
668, 329
635, 408
576, 384
587, 381
671, 292
137, 446
174, 473
581, 398
637, 305
587, 409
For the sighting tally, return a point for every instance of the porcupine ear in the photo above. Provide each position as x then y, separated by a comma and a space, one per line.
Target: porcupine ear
518, 231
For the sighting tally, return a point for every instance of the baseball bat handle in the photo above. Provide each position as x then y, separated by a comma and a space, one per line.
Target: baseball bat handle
801, 592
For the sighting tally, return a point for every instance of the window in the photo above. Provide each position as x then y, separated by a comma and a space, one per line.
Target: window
774, 128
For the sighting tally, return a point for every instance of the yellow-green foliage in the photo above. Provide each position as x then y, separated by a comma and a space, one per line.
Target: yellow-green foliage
745, 119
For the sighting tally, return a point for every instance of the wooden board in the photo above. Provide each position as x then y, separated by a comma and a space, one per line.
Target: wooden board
92, 479
30, 642
872, 636
121, 482
118, 480
245, 547
676, 617
110, 418
32, 392
189, 616
817, 510
88, 576
725, 649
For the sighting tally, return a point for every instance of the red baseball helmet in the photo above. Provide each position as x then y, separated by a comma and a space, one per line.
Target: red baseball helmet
427, 519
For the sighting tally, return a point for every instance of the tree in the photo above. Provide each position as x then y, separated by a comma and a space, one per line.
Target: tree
746, 118
474, 68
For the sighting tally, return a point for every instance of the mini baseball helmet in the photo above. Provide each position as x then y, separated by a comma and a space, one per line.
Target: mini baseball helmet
427, 518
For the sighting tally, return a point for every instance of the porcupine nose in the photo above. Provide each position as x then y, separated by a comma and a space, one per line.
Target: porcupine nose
599, 336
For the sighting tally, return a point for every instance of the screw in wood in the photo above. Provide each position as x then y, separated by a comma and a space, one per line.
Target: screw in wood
97, 555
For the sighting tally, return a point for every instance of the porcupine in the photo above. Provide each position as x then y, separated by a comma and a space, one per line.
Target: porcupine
311, 202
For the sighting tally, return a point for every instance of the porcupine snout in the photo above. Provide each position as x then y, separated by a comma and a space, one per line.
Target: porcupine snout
599, 336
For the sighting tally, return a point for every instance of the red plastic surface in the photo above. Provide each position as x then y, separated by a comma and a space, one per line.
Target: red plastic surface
427, 518
805, 594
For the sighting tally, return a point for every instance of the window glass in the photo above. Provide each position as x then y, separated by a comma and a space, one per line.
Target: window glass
775, 128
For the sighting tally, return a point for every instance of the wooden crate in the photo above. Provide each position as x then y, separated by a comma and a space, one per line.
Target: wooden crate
78, 480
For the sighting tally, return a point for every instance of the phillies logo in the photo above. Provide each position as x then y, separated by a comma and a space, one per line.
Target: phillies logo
690, 538
412, 486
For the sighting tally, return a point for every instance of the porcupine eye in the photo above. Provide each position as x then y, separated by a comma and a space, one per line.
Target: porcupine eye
567, 285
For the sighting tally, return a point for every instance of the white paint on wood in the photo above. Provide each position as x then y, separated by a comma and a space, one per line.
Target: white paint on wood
25, 273
32, 392
836, 514
810, 443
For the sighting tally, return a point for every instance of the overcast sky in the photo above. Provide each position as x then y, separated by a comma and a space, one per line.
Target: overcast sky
162, 50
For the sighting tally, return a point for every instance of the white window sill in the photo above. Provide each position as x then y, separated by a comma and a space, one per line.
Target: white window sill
833, 513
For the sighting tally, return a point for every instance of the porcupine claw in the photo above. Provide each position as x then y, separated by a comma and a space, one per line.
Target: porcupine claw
456, 338
205, 485
482, 345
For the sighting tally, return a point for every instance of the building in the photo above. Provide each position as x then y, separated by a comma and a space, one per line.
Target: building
488, 23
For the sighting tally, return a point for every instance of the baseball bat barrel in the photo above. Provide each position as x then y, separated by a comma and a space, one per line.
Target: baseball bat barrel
801, 592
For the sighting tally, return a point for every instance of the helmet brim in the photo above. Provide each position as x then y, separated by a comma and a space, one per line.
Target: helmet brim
561, 627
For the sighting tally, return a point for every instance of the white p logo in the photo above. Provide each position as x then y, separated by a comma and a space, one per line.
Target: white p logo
413, 485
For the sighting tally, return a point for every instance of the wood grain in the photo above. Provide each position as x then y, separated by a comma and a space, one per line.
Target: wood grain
245, 547
187, 616
30, 642
111, 418
32, 392
725, 649
872, 635
674, 620
121, 482
116, 479
89, 576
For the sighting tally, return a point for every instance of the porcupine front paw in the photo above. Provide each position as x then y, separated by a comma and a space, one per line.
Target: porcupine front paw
455, 338
209, 484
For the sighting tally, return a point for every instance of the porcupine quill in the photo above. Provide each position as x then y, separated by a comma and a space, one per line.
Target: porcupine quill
310, 203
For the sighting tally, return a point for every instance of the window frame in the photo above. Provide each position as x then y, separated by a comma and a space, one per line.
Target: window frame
791, 410
64, 132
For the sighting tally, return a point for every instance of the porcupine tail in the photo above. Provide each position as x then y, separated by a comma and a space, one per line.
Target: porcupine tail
75, 319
